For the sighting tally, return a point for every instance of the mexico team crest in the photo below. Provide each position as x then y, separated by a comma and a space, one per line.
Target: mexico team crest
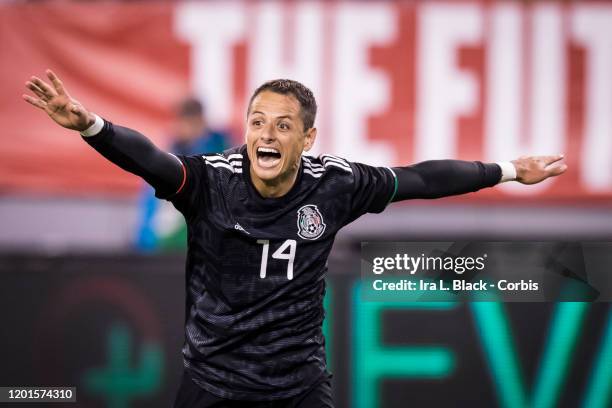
310, 222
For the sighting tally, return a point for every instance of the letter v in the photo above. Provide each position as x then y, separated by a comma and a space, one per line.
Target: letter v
492, 325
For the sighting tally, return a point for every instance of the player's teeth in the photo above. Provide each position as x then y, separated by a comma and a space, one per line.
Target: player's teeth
267, 150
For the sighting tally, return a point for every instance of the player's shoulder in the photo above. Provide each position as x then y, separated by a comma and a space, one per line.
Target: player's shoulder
229, 160
325, 165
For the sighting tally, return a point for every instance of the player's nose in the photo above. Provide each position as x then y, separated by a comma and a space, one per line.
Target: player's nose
268, 135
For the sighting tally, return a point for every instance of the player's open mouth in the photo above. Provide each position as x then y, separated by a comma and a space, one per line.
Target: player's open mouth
268, 157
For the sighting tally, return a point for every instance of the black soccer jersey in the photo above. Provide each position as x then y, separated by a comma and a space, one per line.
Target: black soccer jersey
256, 268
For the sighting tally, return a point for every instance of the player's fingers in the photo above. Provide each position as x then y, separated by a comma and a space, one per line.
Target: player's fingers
48, 91
556, 169
57, 83
32, 87
548, 160
34, 101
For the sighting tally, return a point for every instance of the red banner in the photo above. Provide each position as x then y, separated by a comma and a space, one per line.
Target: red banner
396, 82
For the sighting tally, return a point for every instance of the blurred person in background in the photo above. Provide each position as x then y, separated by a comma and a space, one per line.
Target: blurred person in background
160, 226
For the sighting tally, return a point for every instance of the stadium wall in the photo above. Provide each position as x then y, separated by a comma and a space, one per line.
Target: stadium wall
397, 82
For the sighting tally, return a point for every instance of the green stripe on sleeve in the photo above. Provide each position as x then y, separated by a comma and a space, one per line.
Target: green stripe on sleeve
394, 186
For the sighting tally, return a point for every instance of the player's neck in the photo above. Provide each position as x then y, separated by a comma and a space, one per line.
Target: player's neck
274, 188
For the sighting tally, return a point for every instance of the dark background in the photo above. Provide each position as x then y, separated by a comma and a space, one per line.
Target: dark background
58, 312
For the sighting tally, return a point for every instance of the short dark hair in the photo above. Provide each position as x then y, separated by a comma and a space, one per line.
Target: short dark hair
308, 104
190, 107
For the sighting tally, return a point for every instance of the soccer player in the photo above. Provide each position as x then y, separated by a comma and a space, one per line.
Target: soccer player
261, 220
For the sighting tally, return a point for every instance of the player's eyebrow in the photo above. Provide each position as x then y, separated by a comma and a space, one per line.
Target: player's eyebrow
278, 117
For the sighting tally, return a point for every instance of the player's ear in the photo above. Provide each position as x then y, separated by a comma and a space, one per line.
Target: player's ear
309, 138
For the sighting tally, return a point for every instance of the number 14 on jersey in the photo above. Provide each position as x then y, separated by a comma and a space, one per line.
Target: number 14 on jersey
285, 251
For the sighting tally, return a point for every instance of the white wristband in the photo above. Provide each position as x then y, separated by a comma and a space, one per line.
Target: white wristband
508, 171
95, 128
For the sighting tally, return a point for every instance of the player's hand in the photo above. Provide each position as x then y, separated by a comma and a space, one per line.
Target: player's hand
57, 103
534, 169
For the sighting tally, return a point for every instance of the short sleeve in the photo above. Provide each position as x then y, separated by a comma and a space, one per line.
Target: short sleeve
373, 189
190, 196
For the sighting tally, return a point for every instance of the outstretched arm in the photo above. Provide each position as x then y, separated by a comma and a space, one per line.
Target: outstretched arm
441, 178
125, 147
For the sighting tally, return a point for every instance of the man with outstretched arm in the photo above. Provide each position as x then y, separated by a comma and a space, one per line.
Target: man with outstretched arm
261, 220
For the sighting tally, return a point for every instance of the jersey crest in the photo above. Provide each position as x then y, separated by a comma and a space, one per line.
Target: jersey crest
310, 222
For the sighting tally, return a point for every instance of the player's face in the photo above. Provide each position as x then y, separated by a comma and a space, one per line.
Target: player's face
275, 139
